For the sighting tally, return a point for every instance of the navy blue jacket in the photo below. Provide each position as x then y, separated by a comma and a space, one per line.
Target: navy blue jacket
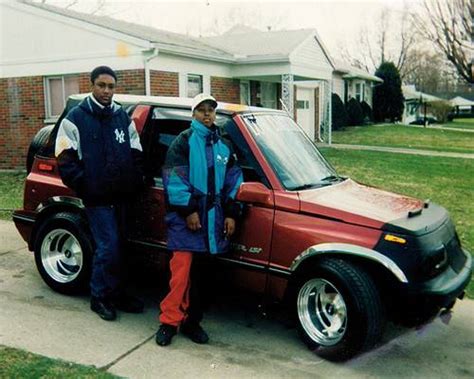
99, 153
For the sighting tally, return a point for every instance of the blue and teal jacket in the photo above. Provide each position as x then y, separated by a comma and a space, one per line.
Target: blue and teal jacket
200, 175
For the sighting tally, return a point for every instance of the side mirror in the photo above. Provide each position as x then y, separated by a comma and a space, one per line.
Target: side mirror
255, 193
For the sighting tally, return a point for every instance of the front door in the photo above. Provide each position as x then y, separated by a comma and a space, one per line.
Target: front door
305, 110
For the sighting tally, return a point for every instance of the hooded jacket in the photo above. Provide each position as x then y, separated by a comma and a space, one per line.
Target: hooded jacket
200, 175
99, 153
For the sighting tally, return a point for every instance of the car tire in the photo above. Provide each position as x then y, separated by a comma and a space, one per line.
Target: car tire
63, 253
39, 141
339, 310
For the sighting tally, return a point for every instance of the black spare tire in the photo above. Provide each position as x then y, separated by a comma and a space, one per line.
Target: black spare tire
39, 141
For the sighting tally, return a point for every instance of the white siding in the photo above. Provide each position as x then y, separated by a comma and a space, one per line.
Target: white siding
178, 63
338, 85
35, 43
310, 56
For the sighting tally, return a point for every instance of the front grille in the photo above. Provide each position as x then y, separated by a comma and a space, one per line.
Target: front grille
457, 259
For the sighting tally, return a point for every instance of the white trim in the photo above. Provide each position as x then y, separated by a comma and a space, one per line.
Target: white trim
64, 58
182, 80
206, 84
248, 96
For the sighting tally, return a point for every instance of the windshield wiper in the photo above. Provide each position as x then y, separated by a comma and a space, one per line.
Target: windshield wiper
305, 186
332, 178
328, 180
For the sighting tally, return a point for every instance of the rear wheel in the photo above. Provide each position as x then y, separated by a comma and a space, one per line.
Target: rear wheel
63, 253
339, 310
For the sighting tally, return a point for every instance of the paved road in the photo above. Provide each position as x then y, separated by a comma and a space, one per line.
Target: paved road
399, 150
243, 344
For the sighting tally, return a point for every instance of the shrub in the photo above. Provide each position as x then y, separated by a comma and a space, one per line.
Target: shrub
339, 114
367, 112
388, 96
440, 109
354, 113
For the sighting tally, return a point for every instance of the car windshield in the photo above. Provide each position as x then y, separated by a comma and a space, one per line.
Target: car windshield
294, 157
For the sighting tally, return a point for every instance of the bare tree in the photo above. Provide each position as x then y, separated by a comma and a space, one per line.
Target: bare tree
448, 25
392, 38
430, 72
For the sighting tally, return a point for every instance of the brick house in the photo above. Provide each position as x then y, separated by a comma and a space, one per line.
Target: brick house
52, 53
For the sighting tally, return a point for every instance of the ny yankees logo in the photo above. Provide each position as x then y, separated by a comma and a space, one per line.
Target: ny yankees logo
119, 136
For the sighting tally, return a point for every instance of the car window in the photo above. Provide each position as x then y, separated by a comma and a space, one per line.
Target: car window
292, 155
165, 125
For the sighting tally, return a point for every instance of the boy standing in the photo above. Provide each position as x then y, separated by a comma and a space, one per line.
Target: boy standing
201, 179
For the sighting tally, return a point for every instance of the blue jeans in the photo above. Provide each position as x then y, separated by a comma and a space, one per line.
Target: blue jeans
104, 222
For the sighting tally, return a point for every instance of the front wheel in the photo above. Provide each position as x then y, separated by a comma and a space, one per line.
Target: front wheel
339, 310
63, 253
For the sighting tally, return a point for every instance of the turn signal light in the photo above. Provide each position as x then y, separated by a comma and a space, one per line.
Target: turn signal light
392, 238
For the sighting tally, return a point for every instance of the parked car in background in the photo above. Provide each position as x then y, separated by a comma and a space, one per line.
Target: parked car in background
345, 257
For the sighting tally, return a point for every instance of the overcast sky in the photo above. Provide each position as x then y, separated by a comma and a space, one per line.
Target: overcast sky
336, 21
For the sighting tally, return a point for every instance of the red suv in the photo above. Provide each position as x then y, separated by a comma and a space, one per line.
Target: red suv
345, 256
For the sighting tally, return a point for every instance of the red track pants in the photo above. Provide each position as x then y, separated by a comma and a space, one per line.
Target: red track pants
175, 305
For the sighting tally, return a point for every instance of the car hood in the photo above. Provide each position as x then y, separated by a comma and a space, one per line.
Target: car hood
355, 203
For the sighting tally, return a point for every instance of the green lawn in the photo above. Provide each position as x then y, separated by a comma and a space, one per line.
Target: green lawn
16, 363
406, 137
11, 193
446, 181
461, 123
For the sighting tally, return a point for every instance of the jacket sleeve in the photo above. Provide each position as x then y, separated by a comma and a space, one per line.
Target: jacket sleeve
69, 156
232, 181
137, 151
178, 189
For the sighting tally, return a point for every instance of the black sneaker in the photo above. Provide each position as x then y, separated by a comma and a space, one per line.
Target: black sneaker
165, 334
103, 308
128, 303
194, 332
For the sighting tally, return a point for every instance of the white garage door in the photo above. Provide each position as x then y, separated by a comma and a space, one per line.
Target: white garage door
305, 110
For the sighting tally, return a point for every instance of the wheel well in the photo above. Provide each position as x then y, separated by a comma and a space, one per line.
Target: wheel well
383, 278
49, 211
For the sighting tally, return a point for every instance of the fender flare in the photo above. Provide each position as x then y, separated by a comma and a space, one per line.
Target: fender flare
348, 249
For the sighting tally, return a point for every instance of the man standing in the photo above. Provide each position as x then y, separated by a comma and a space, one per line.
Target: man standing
201, 179
100, 157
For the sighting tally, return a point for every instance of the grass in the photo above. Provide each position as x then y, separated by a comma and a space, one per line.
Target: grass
11, 193
406, 137
446, 181
461, 123
16, 363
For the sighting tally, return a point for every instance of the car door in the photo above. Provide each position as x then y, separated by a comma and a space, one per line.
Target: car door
162, 127
251, 244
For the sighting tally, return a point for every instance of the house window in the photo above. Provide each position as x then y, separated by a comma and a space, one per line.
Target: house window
194, 85
360, 89
269, 94
302, 104
58, 88
245, 92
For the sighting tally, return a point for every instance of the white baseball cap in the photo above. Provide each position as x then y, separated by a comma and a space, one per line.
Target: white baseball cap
198, 99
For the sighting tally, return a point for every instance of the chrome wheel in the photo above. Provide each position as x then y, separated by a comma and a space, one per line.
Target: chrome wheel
61, 255
322, 312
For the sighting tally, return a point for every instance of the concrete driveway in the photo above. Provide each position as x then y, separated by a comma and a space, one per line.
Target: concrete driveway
243, 344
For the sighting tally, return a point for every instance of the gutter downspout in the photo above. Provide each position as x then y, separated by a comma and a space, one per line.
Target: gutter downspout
146, 59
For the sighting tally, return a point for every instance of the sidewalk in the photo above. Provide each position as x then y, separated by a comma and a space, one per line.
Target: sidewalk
400, 150
243, 344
